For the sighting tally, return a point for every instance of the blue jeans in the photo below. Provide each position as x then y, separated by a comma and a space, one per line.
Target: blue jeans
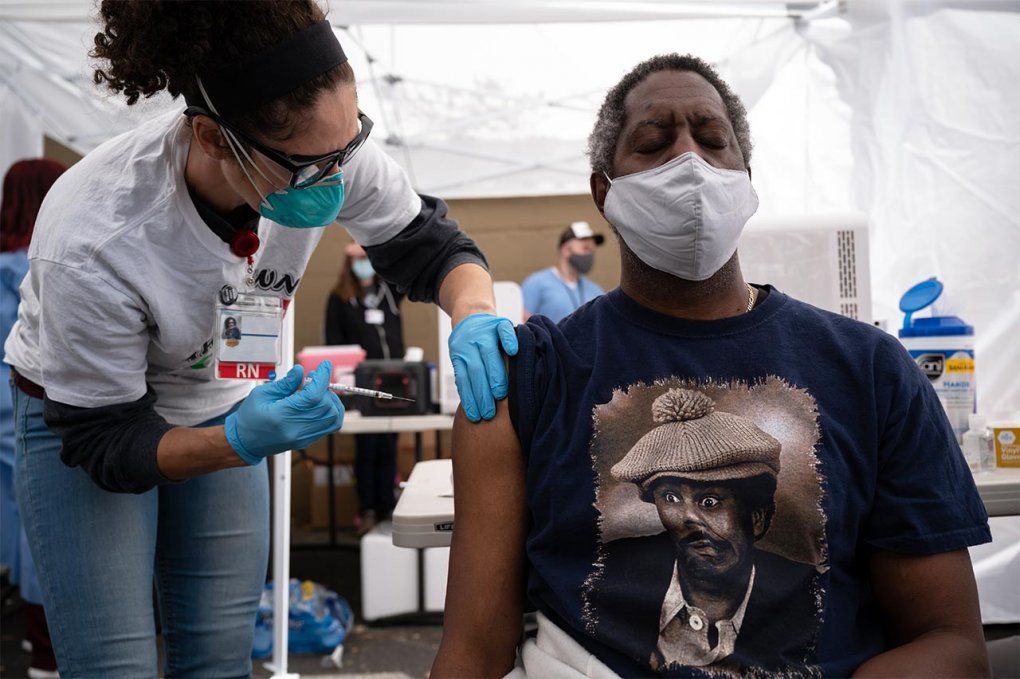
204, 542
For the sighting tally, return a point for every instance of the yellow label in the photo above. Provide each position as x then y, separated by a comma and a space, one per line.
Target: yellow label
960, 365
307, 590
1007, 446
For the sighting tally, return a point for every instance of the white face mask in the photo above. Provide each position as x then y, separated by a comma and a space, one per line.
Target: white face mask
684, 217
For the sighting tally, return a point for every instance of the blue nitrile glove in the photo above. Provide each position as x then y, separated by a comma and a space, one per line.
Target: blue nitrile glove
477, 363
276, 417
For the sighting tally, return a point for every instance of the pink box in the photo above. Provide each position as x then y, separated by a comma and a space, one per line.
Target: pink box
345, 358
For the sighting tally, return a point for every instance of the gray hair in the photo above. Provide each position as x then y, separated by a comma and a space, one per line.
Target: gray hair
606, 133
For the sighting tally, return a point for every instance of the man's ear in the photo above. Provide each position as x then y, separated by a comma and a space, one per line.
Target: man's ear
210, 138
599, 189
761, 519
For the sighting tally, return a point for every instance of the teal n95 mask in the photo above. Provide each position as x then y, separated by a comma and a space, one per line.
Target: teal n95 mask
300, 207
308, 207
684, 217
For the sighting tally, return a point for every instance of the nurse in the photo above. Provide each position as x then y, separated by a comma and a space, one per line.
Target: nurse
134, 463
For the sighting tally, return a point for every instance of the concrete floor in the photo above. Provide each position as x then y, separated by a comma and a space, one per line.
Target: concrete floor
397, 652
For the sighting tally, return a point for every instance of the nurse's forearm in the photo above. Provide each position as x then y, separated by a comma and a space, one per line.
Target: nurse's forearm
185, 452
467, 290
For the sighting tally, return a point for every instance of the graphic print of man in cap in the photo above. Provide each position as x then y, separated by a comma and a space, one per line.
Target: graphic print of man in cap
712, 478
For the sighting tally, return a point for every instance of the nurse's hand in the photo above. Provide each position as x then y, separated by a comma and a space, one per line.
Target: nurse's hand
277, 417
478, 364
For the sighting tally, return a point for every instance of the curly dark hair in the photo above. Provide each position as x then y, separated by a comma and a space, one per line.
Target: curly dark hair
155, 45
612, 114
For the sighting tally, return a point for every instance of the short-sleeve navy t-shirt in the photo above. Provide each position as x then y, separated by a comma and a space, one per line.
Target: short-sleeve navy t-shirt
704, 495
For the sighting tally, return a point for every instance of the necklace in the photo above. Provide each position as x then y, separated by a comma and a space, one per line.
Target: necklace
752, 295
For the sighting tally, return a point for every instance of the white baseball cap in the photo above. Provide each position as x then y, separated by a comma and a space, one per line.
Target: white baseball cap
581, 230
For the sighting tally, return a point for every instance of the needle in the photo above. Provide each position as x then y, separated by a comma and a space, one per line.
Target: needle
361, 391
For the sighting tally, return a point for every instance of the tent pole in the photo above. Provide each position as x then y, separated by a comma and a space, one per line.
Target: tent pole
823, 10
281, 531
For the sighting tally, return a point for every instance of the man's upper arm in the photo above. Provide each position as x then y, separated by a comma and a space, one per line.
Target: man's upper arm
932, 619
925, 500
486, 587
921, 594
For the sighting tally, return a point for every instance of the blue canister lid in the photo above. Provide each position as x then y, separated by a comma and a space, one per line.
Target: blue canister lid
920, 296
923, 295
937, 326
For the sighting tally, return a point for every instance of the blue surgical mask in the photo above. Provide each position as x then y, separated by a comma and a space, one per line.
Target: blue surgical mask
362, 268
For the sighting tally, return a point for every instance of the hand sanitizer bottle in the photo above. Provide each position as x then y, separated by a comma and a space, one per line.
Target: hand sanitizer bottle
978, 449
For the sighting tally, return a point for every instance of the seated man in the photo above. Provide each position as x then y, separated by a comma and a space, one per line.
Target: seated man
693, 476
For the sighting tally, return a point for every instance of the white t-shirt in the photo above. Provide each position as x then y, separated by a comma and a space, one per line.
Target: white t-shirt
124, 273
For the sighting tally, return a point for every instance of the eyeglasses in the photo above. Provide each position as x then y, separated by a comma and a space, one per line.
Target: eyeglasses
304, 170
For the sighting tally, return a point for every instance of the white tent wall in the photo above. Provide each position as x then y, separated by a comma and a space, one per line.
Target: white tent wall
801, 163
46, 66
21, 136
935, 137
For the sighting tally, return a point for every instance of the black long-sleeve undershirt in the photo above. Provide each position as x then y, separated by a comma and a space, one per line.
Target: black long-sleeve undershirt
115, 444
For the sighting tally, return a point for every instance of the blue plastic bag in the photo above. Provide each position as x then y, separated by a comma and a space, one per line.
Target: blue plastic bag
320, 620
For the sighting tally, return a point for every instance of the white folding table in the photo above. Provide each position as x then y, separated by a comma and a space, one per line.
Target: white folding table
1000, 491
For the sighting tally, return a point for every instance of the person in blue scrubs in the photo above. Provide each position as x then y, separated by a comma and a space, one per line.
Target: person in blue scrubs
25, 185
555, 292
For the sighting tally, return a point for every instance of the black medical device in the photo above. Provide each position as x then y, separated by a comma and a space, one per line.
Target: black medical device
404, 379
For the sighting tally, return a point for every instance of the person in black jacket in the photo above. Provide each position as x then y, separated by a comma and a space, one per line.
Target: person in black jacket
363, 309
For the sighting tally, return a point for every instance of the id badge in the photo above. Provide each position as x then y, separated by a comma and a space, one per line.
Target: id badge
375, 316
249, 336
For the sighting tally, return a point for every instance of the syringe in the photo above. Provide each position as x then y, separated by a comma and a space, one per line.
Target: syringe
345, 390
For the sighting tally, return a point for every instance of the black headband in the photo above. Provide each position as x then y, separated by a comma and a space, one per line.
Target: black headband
242, 87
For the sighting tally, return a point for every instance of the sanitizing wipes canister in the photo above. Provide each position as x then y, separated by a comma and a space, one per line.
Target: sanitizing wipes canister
943, 348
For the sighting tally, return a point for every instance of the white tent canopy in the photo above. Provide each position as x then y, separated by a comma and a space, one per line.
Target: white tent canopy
345, 12
500, 124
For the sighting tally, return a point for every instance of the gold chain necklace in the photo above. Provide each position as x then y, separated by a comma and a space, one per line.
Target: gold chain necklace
752, 295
